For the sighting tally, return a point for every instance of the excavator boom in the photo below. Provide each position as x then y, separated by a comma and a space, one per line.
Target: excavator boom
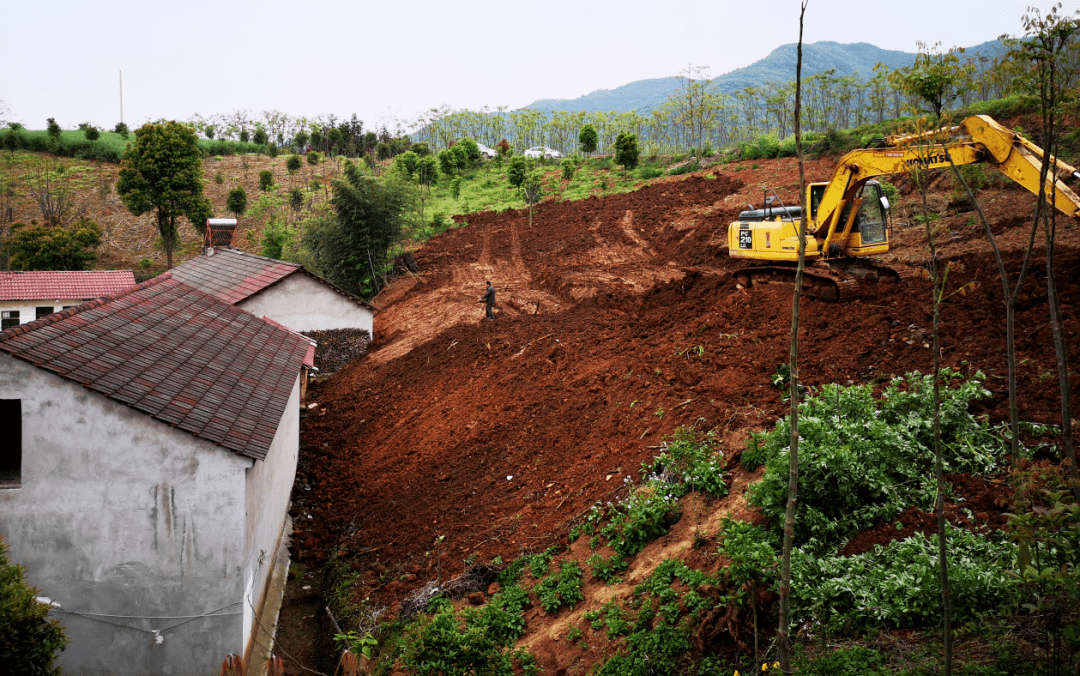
847, 214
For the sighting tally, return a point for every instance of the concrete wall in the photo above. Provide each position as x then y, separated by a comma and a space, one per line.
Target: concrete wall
28, 308
303, 304
121, 515
268, 486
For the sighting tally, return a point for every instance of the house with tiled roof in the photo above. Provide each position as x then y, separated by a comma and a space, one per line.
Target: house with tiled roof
26, 296
285, 292
149, 448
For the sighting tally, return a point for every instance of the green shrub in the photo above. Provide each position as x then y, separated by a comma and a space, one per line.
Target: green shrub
29, 641
692, 457
296, 197
219, 178
646, 514
899, 585
421, 149
272, 150
607, 569
236, 201
266, 180
54, 247
863, 459
763, 147
313, 158
562, 588
121, 129
91, 132
687, 168
293, 164
851, 661
649, 171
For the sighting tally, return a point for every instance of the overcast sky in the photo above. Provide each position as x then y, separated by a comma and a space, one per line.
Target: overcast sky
390, 60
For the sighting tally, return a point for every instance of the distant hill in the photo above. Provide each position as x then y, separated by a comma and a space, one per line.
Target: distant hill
779, 66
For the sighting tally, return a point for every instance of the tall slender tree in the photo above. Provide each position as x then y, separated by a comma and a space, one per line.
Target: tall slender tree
783, 647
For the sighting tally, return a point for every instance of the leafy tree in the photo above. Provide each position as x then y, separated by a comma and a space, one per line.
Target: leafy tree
266, 180
427, 170
334, 138
296, 198
300, 140
352, 249
937, 78
455, 187
533, 186
515, 173
54, 247
588, 139
293, 164
53, 129
626, 150
91, 132
162, 172
209, 130
449, 161
407, 162
421, 149
470, 149
313, 158
245, 136
236, 202
316, 138
122, 129
276, 238
29, 641
383, 151
272, 150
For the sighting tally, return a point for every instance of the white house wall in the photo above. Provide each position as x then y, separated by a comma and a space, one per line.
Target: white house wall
27, 309
125, 517
303, 304
269, 484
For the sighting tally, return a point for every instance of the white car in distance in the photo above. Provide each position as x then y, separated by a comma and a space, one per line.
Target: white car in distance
542, 151
488, 153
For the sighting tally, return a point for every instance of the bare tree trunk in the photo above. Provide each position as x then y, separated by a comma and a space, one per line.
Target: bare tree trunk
937, 291
783, 648
1011, 297
1054, 301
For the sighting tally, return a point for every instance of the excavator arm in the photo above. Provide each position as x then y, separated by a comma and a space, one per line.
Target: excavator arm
986, 141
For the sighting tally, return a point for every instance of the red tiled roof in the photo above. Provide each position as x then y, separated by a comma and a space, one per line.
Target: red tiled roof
309, 359
176, 354
234, 275
67, 285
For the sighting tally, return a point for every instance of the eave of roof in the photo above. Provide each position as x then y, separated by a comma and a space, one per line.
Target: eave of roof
177, 354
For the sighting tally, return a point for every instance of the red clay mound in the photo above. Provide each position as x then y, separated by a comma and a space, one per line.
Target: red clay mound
617, 321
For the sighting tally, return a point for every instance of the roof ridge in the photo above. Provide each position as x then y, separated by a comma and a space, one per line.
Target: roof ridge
264, 258
76, 309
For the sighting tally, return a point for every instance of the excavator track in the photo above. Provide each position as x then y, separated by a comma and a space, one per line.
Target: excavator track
835, 280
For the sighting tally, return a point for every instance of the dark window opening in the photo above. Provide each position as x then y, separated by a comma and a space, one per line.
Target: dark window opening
43, 311
8, 319
11, 444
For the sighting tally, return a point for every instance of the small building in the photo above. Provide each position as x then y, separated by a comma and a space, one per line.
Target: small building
26, 296
284, 292
150, 446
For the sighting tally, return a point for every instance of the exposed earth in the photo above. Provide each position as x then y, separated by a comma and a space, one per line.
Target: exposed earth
617, 321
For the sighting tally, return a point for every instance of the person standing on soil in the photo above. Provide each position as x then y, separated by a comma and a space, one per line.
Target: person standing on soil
489, 299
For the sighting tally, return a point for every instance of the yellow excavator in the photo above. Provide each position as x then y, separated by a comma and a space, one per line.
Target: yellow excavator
848, 219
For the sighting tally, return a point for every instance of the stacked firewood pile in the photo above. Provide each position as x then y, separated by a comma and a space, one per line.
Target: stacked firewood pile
337, 347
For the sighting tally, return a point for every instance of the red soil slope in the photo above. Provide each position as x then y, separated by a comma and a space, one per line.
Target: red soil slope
617, 321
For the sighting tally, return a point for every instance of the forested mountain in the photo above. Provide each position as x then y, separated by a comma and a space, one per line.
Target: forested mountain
642, 96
